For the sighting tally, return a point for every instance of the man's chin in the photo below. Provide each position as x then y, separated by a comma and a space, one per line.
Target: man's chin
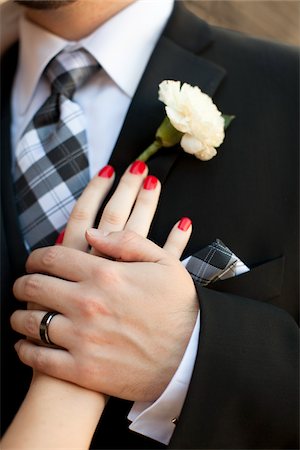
44, 4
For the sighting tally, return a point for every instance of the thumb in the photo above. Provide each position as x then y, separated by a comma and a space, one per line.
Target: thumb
124, 246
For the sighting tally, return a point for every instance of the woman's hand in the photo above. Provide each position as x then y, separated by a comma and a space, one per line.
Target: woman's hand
55, 404
131, 208
123, 327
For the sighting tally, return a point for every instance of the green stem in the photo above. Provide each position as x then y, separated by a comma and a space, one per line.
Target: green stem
151, 150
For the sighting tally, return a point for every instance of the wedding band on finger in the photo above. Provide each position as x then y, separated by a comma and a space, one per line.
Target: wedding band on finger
44, 327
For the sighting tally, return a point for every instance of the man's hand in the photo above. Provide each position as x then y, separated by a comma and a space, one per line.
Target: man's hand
124, 326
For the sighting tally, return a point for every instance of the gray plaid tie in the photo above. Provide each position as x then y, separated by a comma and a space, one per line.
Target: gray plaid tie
51, 162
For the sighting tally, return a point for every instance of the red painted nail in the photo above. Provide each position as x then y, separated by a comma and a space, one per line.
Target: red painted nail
60, 238
106, 172
137, 168
150, 183
184, 224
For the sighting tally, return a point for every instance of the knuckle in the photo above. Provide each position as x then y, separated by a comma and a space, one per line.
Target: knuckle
91, 306
31, 324
79, 214
39, 359
32, 285
33, 357
112, 217
50, 256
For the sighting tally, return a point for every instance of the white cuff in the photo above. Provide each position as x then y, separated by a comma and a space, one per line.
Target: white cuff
156, 420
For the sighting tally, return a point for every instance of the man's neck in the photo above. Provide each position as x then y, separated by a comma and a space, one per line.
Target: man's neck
77, 20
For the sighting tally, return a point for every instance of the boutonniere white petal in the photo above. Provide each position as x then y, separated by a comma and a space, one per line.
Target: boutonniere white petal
191, 119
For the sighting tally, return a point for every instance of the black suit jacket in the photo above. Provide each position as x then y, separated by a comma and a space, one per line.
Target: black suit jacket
243, 392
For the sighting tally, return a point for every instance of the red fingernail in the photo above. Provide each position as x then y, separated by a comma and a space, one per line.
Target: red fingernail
60, 238
150, 183
184, 224
137, 168
106, 172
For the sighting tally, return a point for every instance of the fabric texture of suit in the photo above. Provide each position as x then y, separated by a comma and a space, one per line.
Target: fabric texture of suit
243, 392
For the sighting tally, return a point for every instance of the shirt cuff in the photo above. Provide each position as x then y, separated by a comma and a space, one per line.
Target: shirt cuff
157, 420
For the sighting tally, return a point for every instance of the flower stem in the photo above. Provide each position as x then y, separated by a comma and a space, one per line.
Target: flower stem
151, 150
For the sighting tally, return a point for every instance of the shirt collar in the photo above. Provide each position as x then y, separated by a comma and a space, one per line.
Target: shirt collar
122, 46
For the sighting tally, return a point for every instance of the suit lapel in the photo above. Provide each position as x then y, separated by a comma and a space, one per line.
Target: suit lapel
173, 58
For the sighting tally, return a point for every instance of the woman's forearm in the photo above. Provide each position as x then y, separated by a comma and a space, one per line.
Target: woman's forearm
55, 414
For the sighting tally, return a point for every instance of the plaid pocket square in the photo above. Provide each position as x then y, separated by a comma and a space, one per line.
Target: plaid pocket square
214, 262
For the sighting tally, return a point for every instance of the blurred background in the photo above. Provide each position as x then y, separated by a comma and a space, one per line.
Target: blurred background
271, 19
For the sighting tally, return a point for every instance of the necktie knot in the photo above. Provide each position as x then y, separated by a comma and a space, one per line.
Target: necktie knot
69, 70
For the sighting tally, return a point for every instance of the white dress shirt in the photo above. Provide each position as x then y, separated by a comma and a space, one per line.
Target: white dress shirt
122, 46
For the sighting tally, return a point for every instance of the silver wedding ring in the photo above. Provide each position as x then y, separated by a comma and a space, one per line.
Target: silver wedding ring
44, 327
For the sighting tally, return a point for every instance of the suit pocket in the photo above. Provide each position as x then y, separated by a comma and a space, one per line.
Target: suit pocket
262, 282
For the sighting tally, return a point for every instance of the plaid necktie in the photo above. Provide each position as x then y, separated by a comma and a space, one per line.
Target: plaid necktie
51, 156
214, 262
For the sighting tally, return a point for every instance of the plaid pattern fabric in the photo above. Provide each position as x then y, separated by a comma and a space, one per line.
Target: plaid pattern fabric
214, 262
51, 157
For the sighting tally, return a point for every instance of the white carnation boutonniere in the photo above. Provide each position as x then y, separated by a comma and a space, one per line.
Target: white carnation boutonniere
191, 119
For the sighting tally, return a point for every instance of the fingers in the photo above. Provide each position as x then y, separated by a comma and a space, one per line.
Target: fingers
129, 246
50, 292
67, 263
133, 205
125, 246
117, 210
179, 237
85, 210
74, 265
144, 209
50, 361
28, 323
